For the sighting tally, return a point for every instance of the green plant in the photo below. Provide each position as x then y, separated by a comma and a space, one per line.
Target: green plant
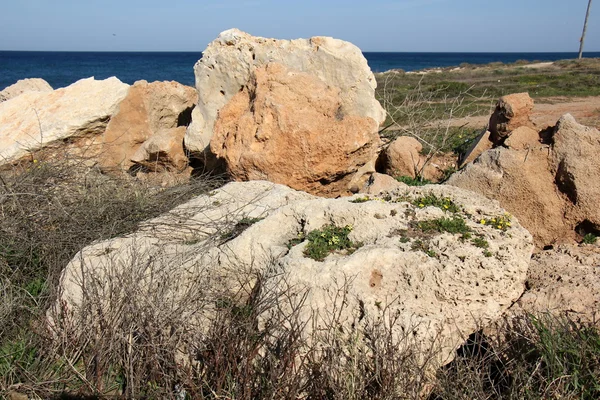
569, 355
410, 181
479, 241
451, 225
533, 357
444, 203
322, 242
502, 222
420, 245
590, 238
360, 200
301, 237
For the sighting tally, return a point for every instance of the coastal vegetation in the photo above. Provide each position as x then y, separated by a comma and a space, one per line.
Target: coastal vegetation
427, 103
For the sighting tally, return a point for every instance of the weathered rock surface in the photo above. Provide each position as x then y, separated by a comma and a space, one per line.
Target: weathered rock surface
402, 157
378, 183
25, 85
522, 181
287, 127
576, 164
149, 110
480, 145
35, 120
441, 297
565, 280
551, 188
228, 64
163, 151
523, 138
512, 111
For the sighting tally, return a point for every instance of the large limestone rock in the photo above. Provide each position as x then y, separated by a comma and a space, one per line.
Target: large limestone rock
565, 280
34, 120
576, 164
149, 110
287, 127
228, 64
439, 287
550, 184
25, 85
512, 111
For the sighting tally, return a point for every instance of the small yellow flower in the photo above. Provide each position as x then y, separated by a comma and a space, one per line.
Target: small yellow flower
508, 224
493, 219
35, 161
482, 222
421, 205
499, 226
446, 206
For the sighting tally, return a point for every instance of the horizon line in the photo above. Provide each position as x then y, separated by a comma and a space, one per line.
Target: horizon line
363, 51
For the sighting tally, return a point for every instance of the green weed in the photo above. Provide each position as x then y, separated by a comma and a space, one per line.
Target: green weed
451, 225
501, 222
410, 181
322, 242
420, 245
590, 238
480, 242
360, 200
444, 203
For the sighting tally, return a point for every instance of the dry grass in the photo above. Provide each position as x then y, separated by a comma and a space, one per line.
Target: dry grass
190, 339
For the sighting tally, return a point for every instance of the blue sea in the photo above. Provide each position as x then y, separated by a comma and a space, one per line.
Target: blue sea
61, 69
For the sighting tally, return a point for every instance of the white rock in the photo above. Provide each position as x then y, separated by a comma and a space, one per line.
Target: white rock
34, 120
23, 86
441, 297
228, 62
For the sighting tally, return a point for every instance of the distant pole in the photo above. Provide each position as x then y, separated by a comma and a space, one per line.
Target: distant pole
587, 14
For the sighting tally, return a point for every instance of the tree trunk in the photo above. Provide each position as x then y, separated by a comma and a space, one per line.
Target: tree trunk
587, 14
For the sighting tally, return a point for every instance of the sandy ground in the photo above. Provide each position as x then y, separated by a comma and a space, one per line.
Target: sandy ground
547, 111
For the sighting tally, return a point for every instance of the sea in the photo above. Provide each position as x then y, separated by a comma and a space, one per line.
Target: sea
61, 69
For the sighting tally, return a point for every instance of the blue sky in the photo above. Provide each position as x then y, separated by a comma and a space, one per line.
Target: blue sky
373, 25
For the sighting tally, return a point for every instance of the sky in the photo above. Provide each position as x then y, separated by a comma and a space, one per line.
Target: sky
372, 25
